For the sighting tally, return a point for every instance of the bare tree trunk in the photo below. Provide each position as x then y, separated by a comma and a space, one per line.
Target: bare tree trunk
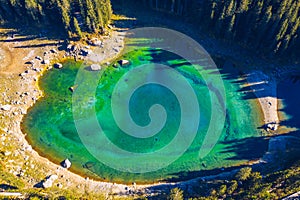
178, 7
172, 6
165, 4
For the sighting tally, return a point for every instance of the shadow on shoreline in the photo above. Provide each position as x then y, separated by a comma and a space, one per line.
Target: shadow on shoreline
15, 33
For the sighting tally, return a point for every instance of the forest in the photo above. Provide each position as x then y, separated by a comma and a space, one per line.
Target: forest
269, 27
72, 17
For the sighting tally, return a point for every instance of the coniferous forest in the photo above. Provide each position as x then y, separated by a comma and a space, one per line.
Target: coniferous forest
267, 29
73, 17
268, 26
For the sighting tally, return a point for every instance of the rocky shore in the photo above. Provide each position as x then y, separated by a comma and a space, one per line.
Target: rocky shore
19, 76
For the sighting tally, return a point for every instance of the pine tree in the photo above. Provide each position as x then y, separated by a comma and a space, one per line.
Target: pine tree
94, 14
77, 28
213, 10
230, 9
231, 24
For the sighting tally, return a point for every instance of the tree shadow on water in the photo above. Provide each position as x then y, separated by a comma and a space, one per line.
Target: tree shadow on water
247, 149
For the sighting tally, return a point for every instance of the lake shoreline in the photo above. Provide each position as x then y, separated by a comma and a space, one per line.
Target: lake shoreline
75, 179
23, 96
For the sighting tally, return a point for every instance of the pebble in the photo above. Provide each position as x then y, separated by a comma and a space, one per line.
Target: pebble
6, 107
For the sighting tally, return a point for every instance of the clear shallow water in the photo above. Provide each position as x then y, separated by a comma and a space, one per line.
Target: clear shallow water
51, 130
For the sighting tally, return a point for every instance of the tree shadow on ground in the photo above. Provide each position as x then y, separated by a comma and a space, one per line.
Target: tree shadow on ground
247, 148
7, 187
15, 33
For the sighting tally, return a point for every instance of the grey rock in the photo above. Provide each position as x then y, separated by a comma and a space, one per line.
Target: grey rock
38, 58
6, 107
85, 52
58, 65
124, 63
48, 182
66, 163
46, 62
272, 126
70, 47
53, 51
95, 42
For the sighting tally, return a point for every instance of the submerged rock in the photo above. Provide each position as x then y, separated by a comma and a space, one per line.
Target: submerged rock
95, 67
124, 63
89, 165
73, 88
48, 182
66, 163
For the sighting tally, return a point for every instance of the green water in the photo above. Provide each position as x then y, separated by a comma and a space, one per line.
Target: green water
51, 131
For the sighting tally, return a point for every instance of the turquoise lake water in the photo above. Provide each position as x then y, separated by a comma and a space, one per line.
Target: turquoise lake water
51, 130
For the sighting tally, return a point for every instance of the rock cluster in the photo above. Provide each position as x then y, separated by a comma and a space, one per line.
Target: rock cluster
95, 42
77, 51
272, 126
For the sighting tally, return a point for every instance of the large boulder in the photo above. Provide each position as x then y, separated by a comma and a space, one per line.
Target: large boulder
272, 126
95, 67
48, 182
66, 163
